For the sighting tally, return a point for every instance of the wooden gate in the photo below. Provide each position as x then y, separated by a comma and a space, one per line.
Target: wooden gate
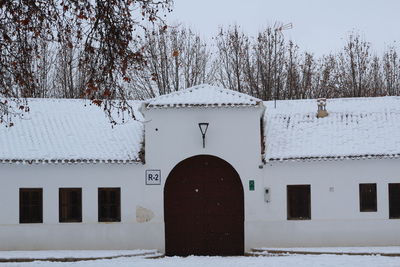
204, 208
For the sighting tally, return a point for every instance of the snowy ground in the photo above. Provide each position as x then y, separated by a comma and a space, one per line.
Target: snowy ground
45, 254
374, 250
276, 261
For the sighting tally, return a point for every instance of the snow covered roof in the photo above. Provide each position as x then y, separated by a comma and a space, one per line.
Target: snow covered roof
203, 95
355, 127
66, 130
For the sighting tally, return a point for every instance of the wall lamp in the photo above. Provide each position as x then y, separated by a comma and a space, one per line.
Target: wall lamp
203, 129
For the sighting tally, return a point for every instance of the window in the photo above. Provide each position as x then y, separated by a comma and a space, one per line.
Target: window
109, 204
30, 205
70, 204
368, 197
394, 201
298, 202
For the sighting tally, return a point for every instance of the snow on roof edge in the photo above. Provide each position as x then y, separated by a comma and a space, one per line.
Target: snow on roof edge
203, 95
335, 158
70, 161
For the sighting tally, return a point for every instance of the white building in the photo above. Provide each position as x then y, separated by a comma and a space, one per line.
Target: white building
264, 176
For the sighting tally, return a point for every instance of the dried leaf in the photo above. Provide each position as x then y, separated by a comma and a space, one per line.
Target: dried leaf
97, 102
175, 53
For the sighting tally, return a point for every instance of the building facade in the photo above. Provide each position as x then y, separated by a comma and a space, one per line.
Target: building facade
204, 171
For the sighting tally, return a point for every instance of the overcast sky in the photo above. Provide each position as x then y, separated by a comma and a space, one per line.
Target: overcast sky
319, 26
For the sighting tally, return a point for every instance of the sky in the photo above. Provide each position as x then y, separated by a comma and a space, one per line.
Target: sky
319, 26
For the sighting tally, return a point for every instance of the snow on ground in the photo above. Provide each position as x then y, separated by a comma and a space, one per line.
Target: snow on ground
393, 250
277, 261
45, 254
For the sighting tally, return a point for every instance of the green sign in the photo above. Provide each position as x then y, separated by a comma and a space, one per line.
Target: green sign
251, 185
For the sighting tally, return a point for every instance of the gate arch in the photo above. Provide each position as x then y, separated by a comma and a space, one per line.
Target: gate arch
204, 208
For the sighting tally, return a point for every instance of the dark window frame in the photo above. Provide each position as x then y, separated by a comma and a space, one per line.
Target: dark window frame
105, 209
394, 200
69, 212
27, 213
368, 197
291, 192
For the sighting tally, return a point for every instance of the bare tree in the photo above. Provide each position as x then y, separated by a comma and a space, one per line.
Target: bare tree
95, 50
65, 72
269, 59
391, 67
173, 60
307, 77
232, 45
376, 83
105, 29
292, 87
355, 61
327, 83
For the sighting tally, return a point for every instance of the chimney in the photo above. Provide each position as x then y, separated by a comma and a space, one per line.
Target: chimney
321, 108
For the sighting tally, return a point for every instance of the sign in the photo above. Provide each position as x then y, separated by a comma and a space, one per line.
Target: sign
153, 177
251, 185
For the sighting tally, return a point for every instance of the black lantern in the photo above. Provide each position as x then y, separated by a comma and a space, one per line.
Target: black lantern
203, 129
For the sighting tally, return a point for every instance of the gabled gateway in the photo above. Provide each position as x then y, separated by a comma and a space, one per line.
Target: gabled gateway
259, 176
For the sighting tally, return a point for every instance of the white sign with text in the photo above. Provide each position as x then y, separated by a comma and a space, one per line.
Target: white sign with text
153, 177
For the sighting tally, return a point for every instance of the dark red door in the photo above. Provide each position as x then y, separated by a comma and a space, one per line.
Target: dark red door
204, 208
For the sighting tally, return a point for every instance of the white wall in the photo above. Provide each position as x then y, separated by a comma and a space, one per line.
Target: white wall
173, 135
90, 234
233, 135
336, 219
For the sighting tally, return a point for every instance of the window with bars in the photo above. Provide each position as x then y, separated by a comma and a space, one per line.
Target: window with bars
31, 205
298, 202
368, 201
394, 201
109, 204
70, 205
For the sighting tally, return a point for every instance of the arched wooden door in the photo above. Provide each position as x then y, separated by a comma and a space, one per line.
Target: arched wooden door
204, 208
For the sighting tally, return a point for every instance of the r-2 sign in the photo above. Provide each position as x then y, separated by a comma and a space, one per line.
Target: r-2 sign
153, 177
